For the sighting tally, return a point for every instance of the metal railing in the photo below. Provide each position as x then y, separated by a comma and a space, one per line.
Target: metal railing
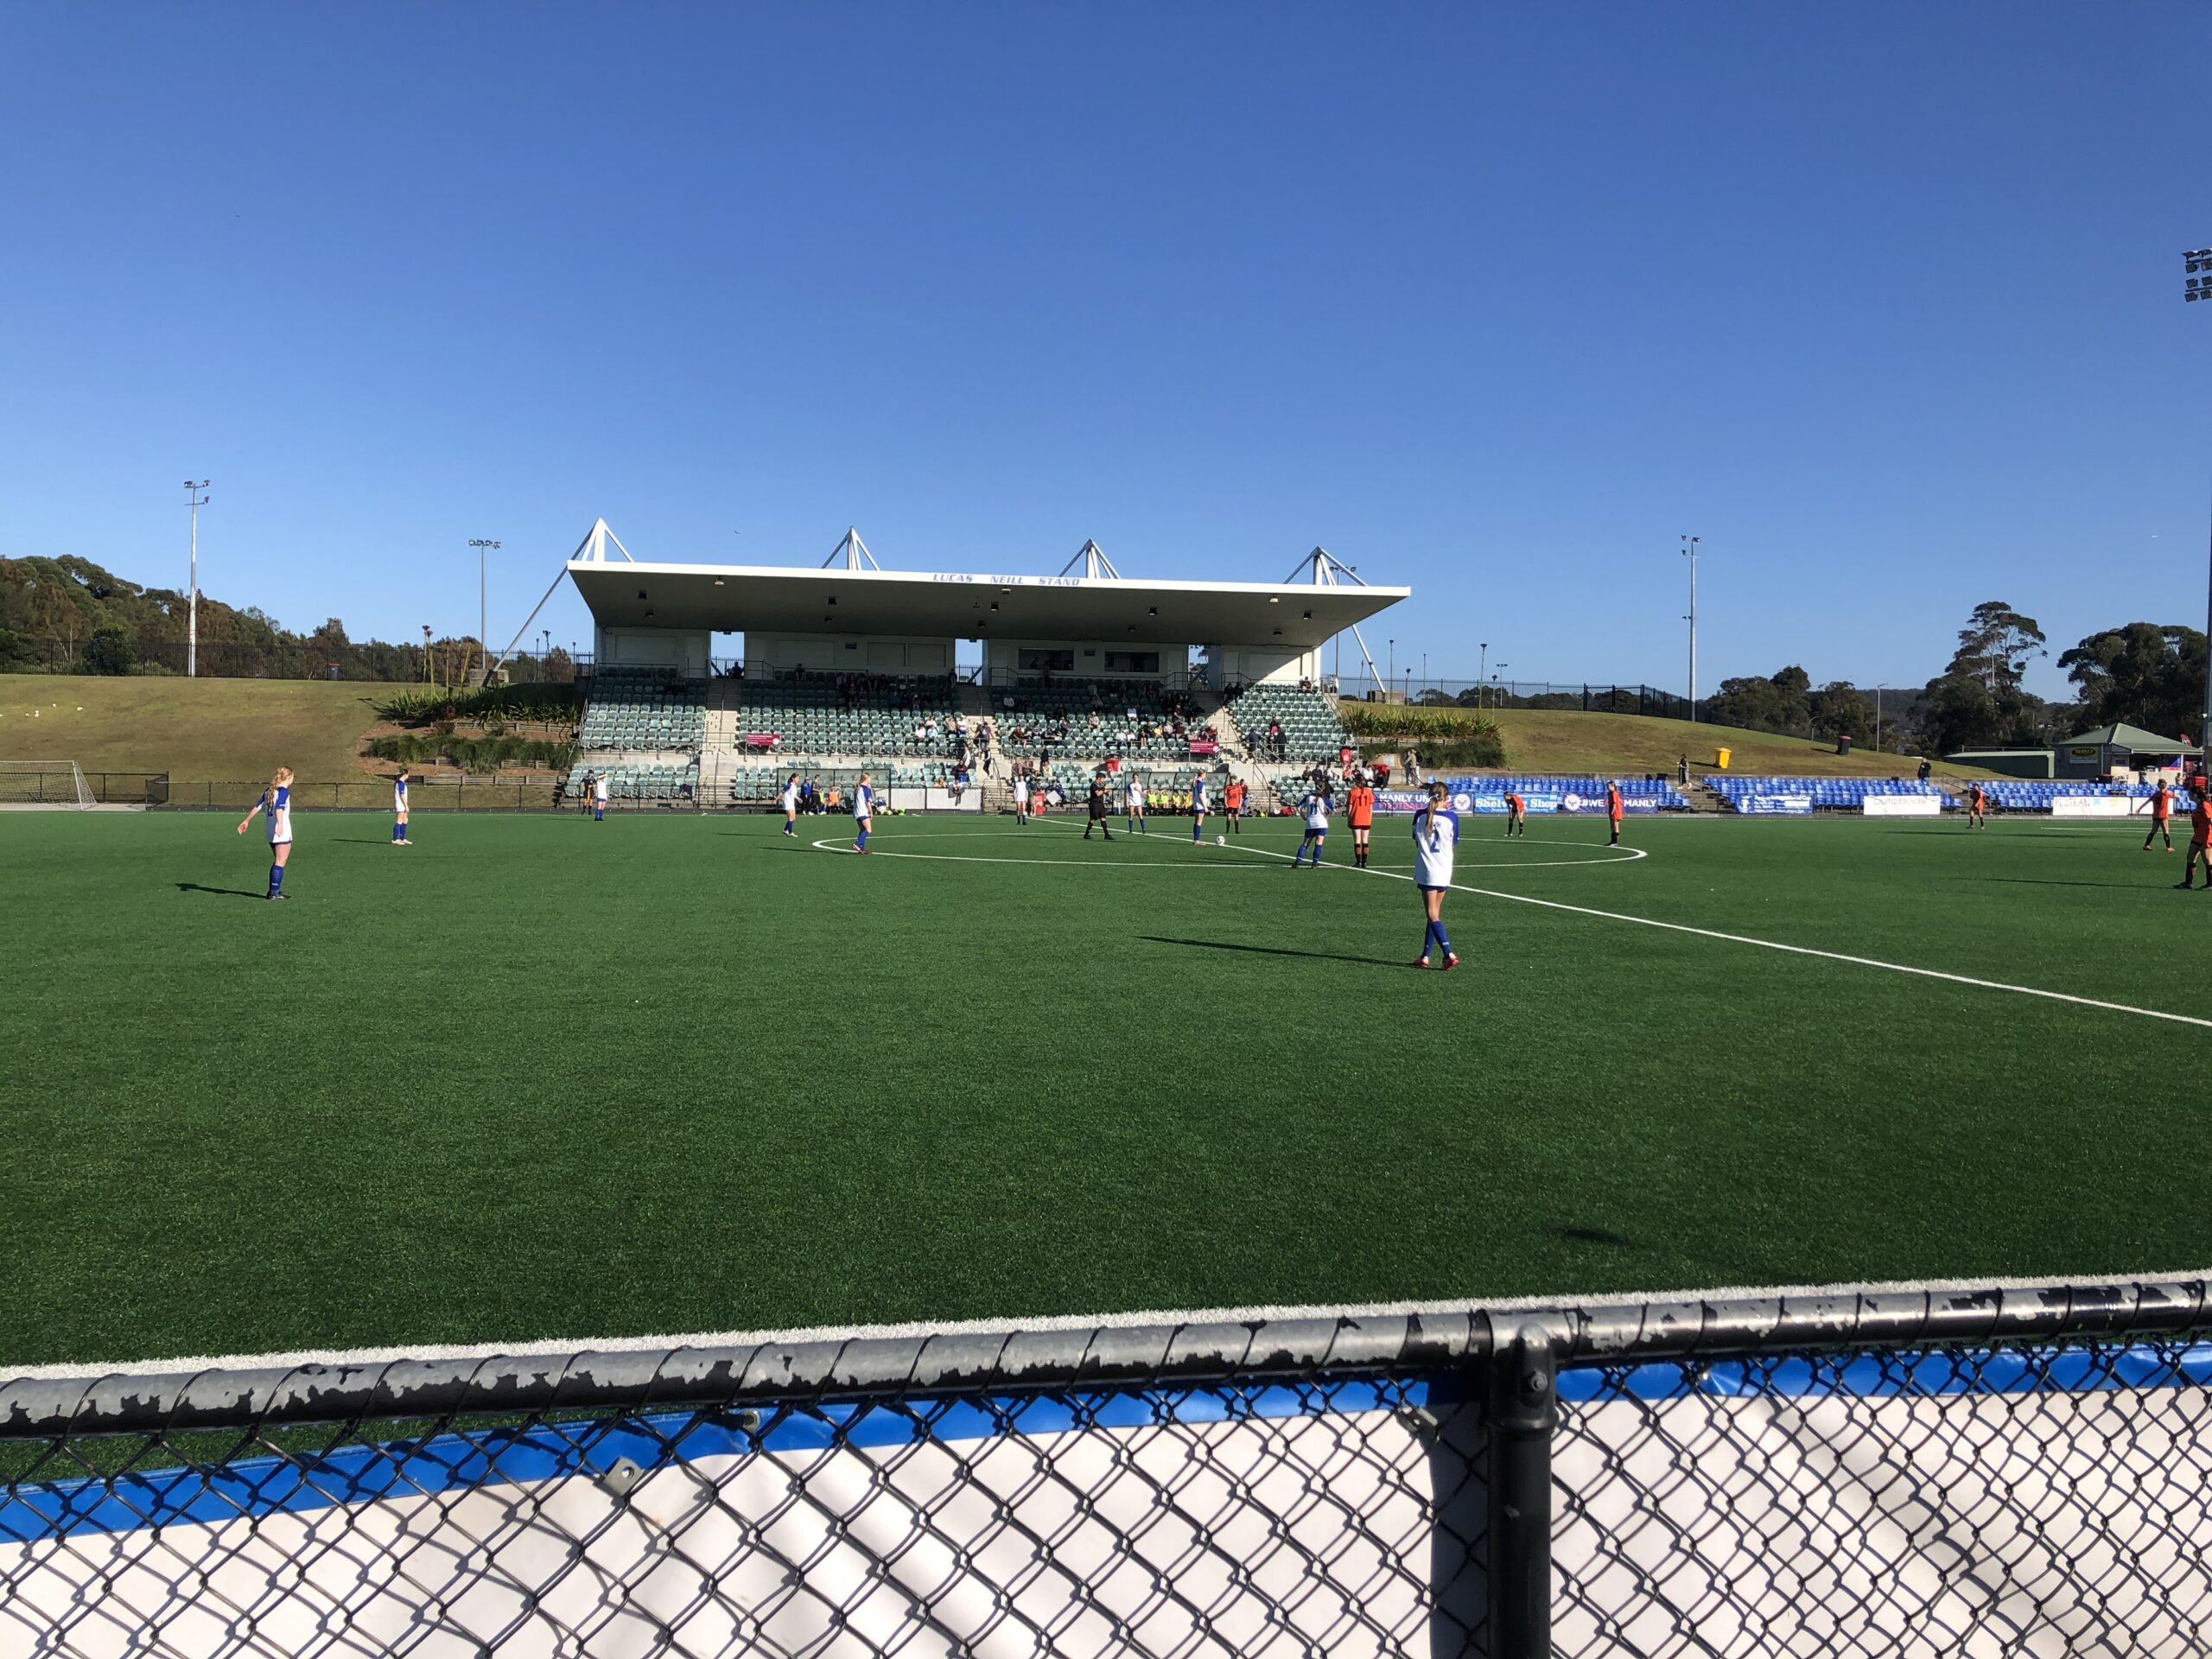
57, 786
1939, 1472
373, 795
289, 659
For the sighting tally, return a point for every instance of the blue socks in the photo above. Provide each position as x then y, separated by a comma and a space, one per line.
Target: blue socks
860, 841
1442, 939
398, 830
275, 880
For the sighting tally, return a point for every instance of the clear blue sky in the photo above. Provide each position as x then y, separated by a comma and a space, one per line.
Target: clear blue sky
1497, 301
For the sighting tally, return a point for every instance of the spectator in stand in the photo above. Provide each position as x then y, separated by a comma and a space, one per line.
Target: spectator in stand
1925, 770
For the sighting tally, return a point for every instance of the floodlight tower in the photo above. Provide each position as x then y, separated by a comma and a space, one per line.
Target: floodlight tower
2200, 287
195, 501
483, 611
1689, 551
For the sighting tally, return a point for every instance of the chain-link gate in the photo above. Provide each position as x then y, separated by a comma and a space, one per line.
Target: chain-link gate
1948, 1472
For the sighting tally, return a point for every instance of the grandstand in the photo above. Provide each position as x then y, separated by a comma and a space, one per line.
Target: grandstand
2036, 795
856, 668
1839, 794
1289, 721
1772, 794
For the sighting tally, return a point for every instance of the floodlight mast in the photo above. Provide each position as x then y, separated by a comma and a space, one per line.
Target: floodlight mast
195, 501
2199, 287
483, 610
1689, 551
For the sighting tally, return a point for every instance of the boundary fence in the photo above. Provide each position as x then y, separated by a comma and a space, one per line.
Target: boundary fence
424, 794
374, 661
56, 785
1933, 1472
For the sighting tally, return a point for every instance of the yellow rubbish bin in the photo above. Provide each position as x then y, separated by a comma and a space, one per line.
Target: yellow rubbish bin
1720, 758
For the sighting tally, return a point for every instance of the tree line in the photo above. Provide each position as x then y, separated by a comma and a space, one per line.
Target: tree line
68, 615
2144, 674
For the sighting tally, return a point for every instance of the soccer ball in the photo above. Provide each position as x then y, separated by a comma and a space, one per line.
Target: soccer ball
1221, 841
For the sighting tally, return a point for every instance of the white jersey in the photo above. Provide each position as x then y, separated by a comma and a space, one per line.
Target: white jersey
1021, 791
1198, 795
598, 791
863, 802
1316, 808
1436, 836
399, 794
1136, 795
278, 807
790, 797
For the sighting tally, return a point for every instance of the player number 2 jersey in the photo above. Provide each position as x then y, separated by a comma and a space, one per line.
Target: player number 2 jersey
1436, 838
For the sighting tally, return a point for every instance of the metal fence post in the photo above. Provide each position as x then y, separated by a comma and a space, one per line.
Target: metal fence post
1523, 1413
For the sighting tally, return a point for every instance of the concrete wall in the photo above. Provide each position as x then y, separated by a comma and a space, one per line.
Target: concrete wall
1249, 664
1091, 658
843, 653
682, 648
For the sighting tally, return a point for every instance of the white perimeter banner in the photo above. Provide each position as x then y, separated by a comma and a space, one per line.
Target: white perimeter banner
1902, 806
2097, 806
905, 799
2019, 1504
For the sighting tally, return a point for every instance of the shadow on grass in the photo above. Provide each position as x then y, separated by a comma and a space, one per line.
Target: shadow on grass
225, 892
2041, 881
1273, 951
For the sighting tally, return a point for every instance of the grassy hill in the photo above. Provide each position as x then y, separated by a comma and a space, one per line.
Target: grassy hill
1551, 740
221, 729
1567, 740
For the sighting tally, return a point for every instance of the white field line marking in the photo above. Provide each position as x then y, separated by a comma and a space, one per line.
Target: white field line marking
1614, 855
1800, 950
70, 1370
1058, 863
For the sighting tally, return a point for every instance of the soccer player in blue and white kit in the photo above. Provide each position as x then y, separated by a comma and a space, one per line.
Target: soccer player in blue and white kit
1316, 807
400, 809
789, 800
276, 802
1436, 837
1133, 799
863, 813
1198, 807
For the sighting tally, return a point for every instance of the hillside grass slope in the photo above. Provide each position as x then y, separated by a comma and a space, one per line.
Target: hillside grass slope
198, 729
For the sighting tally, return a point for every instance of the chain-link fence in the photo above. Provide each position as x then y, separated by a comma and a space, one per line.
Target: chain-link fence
1948, 1472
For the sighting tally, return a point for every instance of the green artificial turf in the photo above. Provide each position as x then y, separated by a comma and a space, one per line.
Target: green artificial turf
540, 1078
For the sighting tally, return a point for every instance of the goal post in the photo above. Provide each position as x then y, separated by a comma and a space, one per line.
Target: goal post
43, 782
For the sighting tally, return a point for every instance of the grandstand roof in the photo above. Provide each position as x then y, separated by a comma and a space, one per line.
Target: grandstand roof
735, 598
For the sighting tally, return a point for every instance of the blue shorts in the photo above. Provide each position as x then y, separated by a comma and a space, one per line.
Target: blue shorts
1419, 888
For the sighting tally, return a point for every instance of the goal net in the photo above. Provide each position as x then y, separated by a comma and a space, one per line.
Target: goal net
43, 782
